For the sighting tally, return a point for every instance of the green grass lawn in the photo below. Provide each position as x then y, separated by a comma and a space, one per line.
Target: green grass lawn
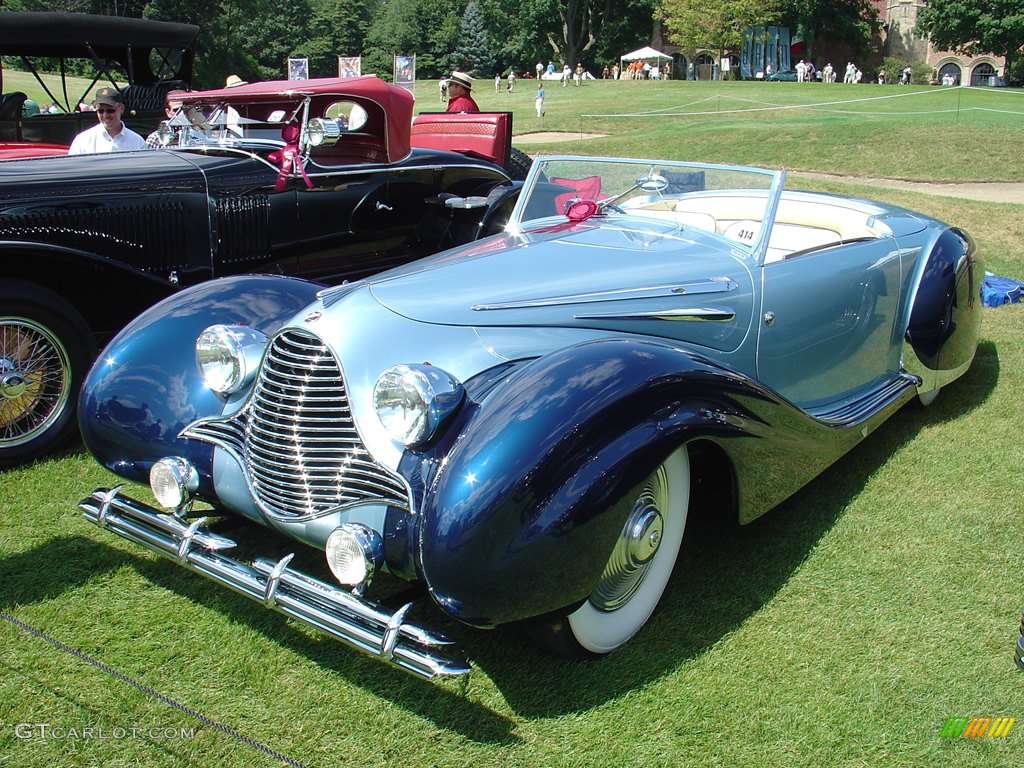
842, 629
26, 82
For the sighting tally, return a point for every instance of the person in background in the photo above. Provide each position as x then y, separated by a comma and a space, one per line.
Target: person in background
460, 93
539, 100
110, 134
233, 121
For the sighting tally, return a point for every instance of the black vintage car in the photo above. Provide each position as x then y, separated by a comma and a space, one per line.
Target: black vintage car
141, 57
315, 178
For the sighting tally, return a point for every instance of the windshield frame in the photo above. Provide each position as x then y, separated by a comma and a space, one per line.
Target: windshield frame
760, 185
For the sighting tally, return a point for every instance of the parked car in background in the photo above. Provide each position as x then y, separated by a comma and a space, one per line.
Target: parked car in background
783, 75
314, 178
519, 425
142, 58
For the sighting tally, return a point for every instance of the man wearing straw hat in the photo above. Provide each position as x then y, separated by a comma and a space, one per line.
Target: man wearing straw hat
460, 99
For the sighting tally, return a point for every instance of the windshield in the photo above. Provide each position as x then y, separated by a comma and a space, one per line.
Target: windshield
730, 201
198, 123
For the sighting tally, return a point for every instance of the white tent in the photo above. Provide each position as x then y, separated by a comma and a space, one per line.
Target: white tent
644, 53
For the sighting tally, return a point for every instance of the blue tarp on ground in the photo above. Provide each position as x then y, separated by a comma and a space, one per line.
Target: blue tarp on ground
996, 290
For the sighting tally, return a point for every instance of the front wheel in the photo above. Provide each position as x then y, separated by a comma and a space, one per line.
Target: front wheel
637, 571
45, 349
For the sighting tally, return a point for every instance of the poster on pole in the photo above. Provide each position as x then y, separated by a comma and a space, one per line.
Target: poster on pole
405, 72
350, 66
298, 69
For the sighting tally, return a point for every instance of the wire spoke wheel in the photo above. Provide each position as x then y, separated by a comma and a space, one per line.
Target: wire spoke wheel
35, 380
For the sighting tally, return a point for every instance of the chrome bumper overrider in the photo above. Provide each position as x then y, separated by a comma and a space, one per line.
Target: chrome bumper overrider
353, 620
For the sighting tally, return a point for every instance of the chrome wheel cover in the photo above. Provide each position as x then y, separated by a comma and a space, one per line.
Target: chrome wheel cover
636, 547
35, 380
641, 560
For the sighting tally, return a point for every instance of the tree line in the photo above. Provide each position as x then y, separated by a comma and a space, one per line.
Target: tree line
255, 38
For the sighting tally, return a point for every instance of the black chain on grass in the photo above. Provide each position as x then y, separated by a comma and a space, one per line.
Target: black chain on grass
150, 692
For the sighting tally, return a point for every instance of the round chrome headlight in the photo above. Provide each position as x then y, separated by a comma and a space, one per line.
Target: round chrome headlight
324, 131
354, 553
228, 356
413, 401
173, 482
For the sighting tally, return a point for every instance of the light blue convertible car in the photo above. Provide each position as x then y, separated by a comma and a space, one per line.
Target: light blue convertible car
517, 425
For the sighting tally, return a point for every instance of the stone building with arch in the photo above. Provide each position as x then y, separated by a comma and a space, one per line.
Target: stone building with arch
899, 18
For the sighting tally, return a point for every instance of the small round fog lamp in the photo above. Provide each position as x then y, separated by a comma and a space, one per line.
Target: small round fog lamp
173, 482
354, 554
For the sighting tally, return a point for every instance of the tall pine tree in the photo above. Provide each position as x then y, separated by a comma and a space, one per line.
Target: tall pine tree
474, 54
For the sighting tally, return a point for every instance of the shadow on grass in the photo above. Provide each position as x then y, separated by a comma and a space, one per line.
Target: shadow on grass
63, 564
725, 574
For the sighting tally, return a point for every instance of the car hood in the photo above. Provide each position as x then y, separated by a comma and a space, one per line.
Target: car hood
622, 274
81, 174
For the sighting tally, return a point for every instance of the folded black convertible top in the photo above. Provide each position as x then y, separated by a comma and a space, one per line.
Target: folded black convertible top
73, 35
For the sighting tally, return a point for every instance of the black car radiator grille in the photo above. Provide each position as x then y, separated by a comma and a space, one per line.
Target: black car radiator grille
243, 228
296, 437
150, 237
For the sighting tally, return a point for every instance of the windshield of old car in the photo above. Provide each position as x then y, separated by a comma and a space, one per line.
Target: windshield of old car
201, 124
732, 202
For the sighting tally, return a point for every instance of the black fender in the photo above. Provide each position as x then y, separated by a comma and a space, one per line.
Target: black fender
145, 387
56, 267
521, 516
942, 332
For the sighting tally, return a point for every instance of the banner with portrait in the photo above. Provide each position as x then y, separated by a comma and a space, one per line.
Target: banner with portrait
350, 66
405, 72
298, 69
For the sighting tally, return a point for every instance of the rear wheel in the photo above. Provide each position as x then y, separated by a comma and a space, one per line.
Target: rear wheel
637, 571
45, 350
518, 164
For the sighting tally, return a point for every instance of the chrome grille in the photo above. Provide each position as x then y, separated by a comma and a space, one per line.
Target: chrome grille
296, 437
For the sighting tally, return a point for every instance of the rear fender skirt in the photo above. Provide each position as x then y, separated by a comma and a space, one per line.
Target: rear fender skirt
945, 318
145, 387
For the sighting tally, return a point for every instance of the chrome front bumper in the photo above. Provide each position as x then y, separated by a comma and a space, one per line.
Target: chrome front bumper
353, 620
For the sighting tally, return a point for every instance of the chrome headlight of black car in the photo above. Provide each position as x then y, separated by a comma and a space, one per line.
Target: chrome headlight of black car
228, 356
324, 131
165, 133
413, 401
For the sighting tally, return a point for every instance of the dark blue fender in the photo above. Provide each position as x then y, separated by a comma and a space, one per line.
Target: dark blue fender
946, 316
521, 517
145, 387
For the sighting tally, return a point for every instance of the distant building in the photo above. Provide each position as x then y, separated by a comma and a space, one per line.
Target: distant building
899, 18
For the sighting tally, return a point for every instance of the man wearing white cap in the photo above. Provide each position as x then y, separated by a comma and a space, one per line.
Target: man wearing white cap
110, 134
460, 99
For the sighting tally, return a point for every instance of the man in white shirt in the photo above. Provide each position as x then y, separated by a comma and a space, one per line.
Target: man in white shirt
110, 134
